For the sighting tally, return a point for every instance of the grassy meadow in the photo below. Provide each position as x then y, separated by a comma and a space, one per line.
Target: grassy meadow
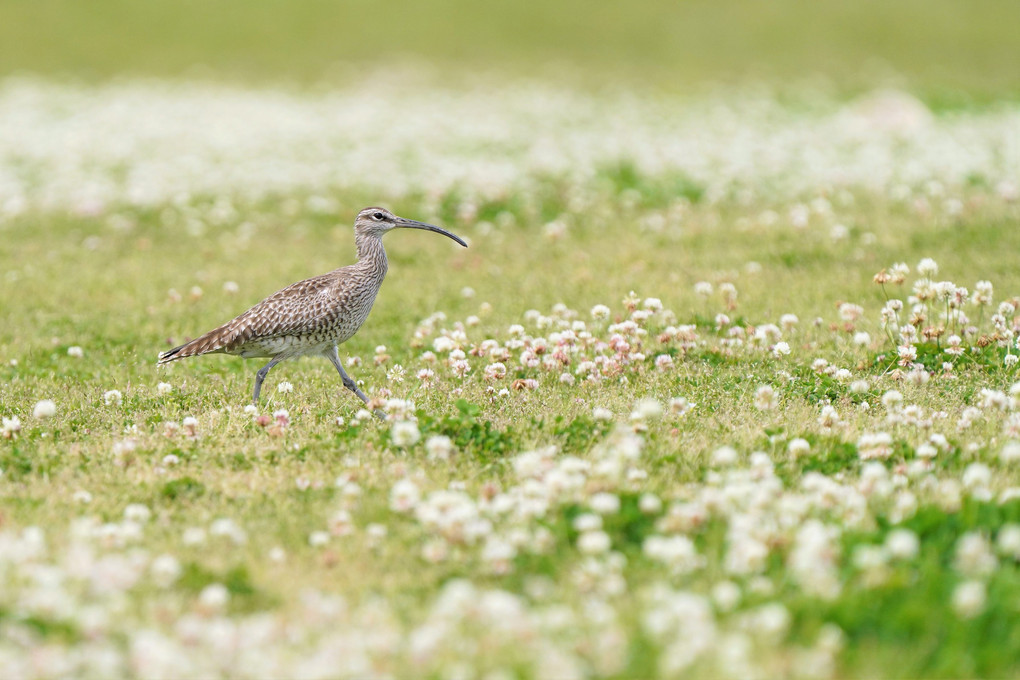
725, 384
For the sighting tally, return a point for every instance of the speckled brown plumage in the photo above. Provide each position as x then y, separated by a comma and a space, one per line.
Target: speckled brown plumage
313, 316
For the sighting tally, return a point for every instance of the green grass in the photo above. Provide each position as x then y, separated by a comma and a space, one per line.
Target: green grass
951, 52
341, 554
112, 301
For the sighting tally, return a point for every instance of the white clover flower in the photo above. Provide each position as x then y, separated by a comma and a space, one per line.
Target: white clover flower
228, 528
892, 400
495, 371
653, 304
677, 552
404, 496
341, 523
969, 599
1008, 541
765, 398
650, 504
976, 476
11, 427
829, 417
600, 312
602, 414
396, 374
165, 570
850, 312
729, 292
780, 349
994, 400
136, 512
190, 425
44, 409
214, 597
318, 538
745, 554
927, 268
75, 351
605, 503
193, 536
404, 433
703, 288
285, 387
974, 557
165, 388
587, 521
902, 544
679, 406
874, 445
726, 595
439, 447
724, 456
899, 271
594, 542
798, 447
113, 398
646, 409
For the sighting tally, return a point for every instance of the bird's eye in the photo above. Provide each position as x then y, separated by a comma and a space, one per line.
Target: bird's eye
378, 216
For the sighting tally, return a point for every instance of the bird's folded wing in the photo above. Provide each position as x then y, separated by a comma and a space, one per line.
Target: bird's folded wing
299, 309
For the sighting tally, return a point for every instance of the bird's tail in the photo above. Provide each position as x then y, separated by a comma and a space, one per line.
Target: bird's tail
210, 342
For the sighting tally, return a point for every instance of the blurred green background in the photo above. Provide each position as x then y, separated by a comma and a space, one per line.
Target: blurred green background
943, 50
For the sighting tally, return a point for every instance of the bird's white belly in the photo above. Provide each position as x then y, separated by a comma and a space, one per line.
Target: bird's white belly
292, 345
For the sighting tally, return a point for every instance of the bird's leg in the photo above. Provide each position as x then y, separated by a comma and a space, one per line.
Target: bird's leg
261, 375
349, 383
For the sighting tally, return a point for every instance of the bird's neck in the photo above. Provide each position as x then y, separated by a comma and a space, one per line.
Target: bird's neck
371, 254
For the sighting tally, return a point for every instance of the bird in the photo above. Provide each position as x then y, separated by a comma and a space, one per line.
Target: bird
314, 316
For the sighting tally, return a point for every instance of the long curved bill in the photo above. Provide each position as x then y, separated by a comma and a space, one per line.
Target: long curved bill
414, 224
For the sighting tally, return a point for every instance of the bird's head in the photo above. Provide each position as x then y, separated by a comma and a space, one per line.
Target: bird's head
378, 221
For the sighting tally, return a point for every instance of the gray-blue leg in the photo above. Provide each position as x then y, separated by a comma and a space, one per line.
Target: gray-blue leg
261, 375
349, 383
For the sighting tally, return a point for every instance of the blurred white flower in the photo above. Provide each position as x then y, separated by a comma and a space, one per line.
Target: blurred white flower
11, 427
593, 542
646, 409
213, 598
165, 570
404, 433
44, 409
439, 447
765, 398
969, 599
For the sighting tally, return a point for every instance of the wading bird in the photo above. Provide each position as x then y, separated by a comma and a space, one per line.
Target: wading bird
313, 316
